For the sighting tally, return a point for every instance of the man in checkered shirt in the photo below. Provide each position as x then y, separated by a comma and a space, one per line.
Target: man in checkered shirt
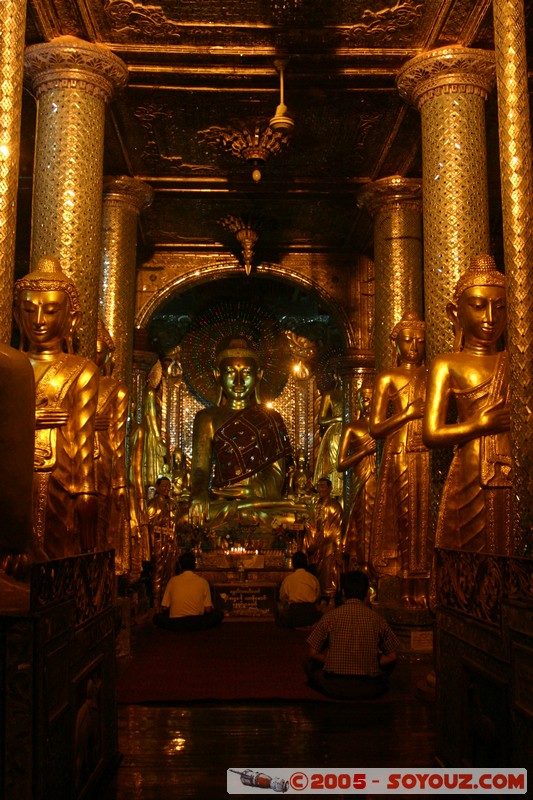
353, 649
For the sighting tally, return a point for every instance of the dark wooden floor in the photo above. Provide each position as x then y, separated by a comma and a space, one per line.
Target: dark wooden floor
184, 751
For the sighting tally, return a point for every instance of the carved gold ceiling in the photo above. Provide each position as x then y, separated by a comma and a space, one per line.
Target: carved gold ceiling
195, 64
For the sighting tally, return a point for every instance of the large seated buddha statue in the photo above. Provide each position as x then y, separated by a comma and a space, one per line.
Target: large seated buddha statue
240, 449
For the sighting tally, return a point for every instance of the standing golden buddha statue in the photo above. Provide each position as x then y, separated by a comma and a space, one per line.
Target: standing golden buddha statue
163, 545
475, 509
111, 479
47, 310
401, 543
357, 451
323, 539
330, 419
246, 441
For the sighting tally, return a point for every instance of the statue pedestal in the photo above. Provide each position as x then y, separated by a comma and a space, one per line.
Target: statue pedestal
414, 627
57, 680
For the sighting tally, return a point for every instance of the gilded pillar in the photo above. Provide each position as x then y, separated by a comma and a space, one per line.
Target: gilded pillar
12, 32
395, 204
517, 205
72, 80
449, 87
124, 199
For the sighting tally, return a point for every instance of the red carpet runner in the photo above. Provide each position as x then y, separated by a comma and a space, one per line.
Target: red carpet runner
236, 661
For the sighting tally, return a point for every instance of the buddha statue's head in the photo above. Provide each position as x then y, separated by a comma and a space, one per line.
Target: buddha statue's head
238, 373
46, 308
105, 347
478, 310
364, 397
409, 339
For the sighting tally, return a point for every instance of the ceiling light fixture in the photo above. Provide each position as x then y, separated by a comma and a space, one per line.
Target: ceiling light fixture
257, 140
245, 235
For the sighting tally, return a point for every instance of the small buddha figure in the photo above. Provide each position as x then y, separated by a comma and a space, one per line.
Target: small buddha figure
246, 441
163, 545
357, 451
17, 441
180, 475
111, 479
330, 418
140, 538
300, 477
400, 544
475, 509
47, 310
323, 539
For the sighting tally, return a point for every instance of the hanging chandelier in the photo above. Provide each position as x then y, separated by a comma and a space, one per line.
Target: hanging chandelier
257, 139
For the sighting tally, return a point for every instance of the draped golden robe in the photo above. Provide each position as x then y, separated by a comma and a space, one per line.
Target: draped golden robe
64, 453
475, 509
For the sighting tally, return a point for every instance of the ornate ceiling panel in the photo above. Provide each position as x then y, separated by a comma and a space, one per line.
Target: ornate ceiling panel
196, 65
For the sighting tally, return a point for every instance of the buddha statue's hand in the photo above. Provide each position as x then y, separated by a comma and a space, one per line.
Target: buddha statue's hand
50, 418
415, 410
199, 509
495, 418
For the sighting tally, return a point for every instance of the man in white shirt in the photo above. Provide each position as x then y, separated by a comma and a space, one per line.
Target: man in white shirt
298, 595
187, 603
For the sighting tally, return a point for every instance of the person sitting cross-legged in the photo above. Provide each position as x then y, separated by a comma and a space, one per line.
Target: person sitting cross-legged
353, 649
298, 595
187, 604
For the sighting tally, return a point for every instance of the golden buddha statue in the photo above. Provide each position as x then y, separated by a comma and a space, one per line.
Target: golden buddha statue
47, 310
138, 508
163, 544
401, 545
155, 450
248, 444
111, 479
17, 442
323, 539
180, 474
330, 419
301, 479
475, 509
357, 451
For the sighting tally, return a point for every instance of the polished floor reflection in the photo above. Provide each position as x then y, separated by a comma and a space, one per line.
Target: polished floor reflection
183, 751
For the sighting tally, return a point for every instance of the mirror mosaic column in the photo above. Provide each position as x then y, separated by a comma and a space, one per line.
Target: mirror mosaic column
12, 35
395, 203
124, 199
72, 80
517, 206
449, 87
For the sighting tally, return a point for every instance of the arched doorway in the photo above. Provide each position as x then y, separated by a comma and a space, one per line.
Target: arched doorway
315, 327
